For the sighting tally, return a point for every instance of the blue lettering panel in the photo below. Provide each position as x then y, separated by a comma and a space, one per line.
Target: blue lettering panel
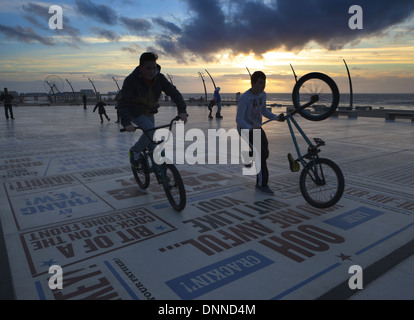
201, 281
354, 218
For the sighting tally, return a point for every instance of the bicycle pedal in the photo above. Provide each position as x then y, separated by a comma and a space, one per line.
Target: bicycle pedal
293, 164
159, 179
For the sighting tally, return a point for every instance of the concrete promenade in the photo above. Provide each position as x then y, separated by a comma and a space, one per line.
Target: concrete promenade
68, 198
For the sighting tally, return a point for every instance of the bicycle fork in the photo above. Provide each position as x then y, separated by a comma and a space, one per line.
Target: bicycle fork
316, 172
314, 167
158, 169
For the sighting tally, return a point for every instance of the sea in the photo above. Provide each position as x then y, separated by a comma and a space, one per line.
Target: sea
393, 101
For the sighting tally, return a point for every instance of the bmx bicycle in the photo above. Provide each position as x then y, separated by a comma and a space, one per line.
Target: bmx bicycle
166, 174
321, 180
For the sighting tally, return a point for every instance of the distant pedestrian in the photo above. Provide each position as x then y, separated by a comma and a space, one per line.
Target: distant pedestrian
84, 101
101, 109
8, 107
210, 108
217, 100
117, 97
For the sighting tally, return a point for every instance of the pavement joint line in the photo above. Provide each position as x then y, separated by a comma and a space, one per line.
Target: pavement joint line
371, 273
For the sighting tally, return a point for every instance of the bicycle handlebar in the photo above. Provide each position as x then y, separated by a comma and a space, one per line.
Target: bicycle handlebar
314, 99
169, 125
282, 116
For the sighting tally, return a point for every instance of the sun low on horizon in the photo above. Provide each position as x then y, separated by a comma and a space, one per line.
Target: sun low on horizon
102, 42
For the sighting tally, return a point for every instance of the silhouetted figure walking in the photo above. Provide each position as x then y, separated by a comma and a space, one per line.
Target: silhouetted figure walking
8, 99
217, 100
102, 112
210, 108
84, 101
117, 97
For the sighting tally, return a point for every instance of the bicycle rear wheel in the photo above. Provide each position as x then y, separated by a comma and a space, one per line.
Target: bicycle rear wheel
141, 174
318, 84
322, 183
174, 187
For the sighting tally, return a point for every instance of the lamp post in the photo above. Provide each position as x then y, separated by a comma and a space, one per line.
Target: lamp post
204, 84
351, 103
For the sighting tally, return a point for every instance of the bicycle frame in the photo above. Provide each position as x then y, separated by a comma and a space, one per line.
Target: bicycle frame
149, 162
167, 174
321, 181
148, 154
291, 120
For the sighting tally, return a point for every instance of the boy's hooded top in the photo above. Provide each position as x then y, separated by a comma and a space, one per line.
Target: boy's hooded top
141, 97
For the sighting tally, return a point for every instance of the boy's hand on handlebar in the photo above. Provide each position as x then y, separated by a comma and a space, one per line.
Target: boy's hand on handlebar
183, 116
281, 117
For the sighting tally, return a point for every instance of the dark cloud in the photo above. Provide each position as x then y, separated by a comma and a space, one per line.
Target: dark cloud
243, 26
27, 35
132, 48
36, 10
106, 34
169, 26
33, 11
35, 22
65, 72
249, 26
137, 26
99, 12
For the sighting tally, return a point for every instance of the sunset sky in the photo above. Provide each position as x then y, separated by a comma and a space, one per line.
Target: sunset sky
104, 39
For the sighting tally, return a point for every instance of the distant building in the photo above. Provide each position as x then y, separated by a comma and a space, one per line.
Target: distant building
34, 98
15, 94
90, 94
61, 97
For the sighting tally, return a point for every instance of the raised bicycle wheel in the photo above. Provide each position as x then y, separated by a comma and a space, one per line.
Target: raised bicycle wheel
141, 174
324, 88
322, 183
174, 187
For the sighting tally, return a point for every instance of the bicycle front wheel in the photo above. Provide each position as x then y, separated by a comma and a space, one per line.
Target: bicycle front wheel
322, 183
320, 85
141, 174
174, 187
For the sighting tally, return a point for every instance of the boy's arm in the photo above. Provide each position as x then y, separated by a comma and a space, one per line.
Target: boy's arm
266, 113
170, 90
124, 102
241, 113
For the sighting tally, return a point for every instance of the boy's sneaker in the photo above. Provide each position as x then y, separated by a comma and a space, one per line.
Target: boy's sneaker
293, 164
265, 190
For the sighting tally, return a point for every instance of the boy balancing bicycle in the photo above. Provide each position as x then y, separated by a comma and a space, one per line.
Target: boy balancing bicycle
138, 103
250, 109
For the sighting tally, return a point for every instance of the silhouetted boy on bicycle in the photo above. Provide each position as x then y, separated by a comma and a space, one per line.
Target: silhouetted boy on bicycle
140, 93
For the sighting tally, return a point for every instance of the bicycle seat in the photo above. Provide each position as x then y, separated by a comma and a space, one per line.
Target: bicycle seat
319, 142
